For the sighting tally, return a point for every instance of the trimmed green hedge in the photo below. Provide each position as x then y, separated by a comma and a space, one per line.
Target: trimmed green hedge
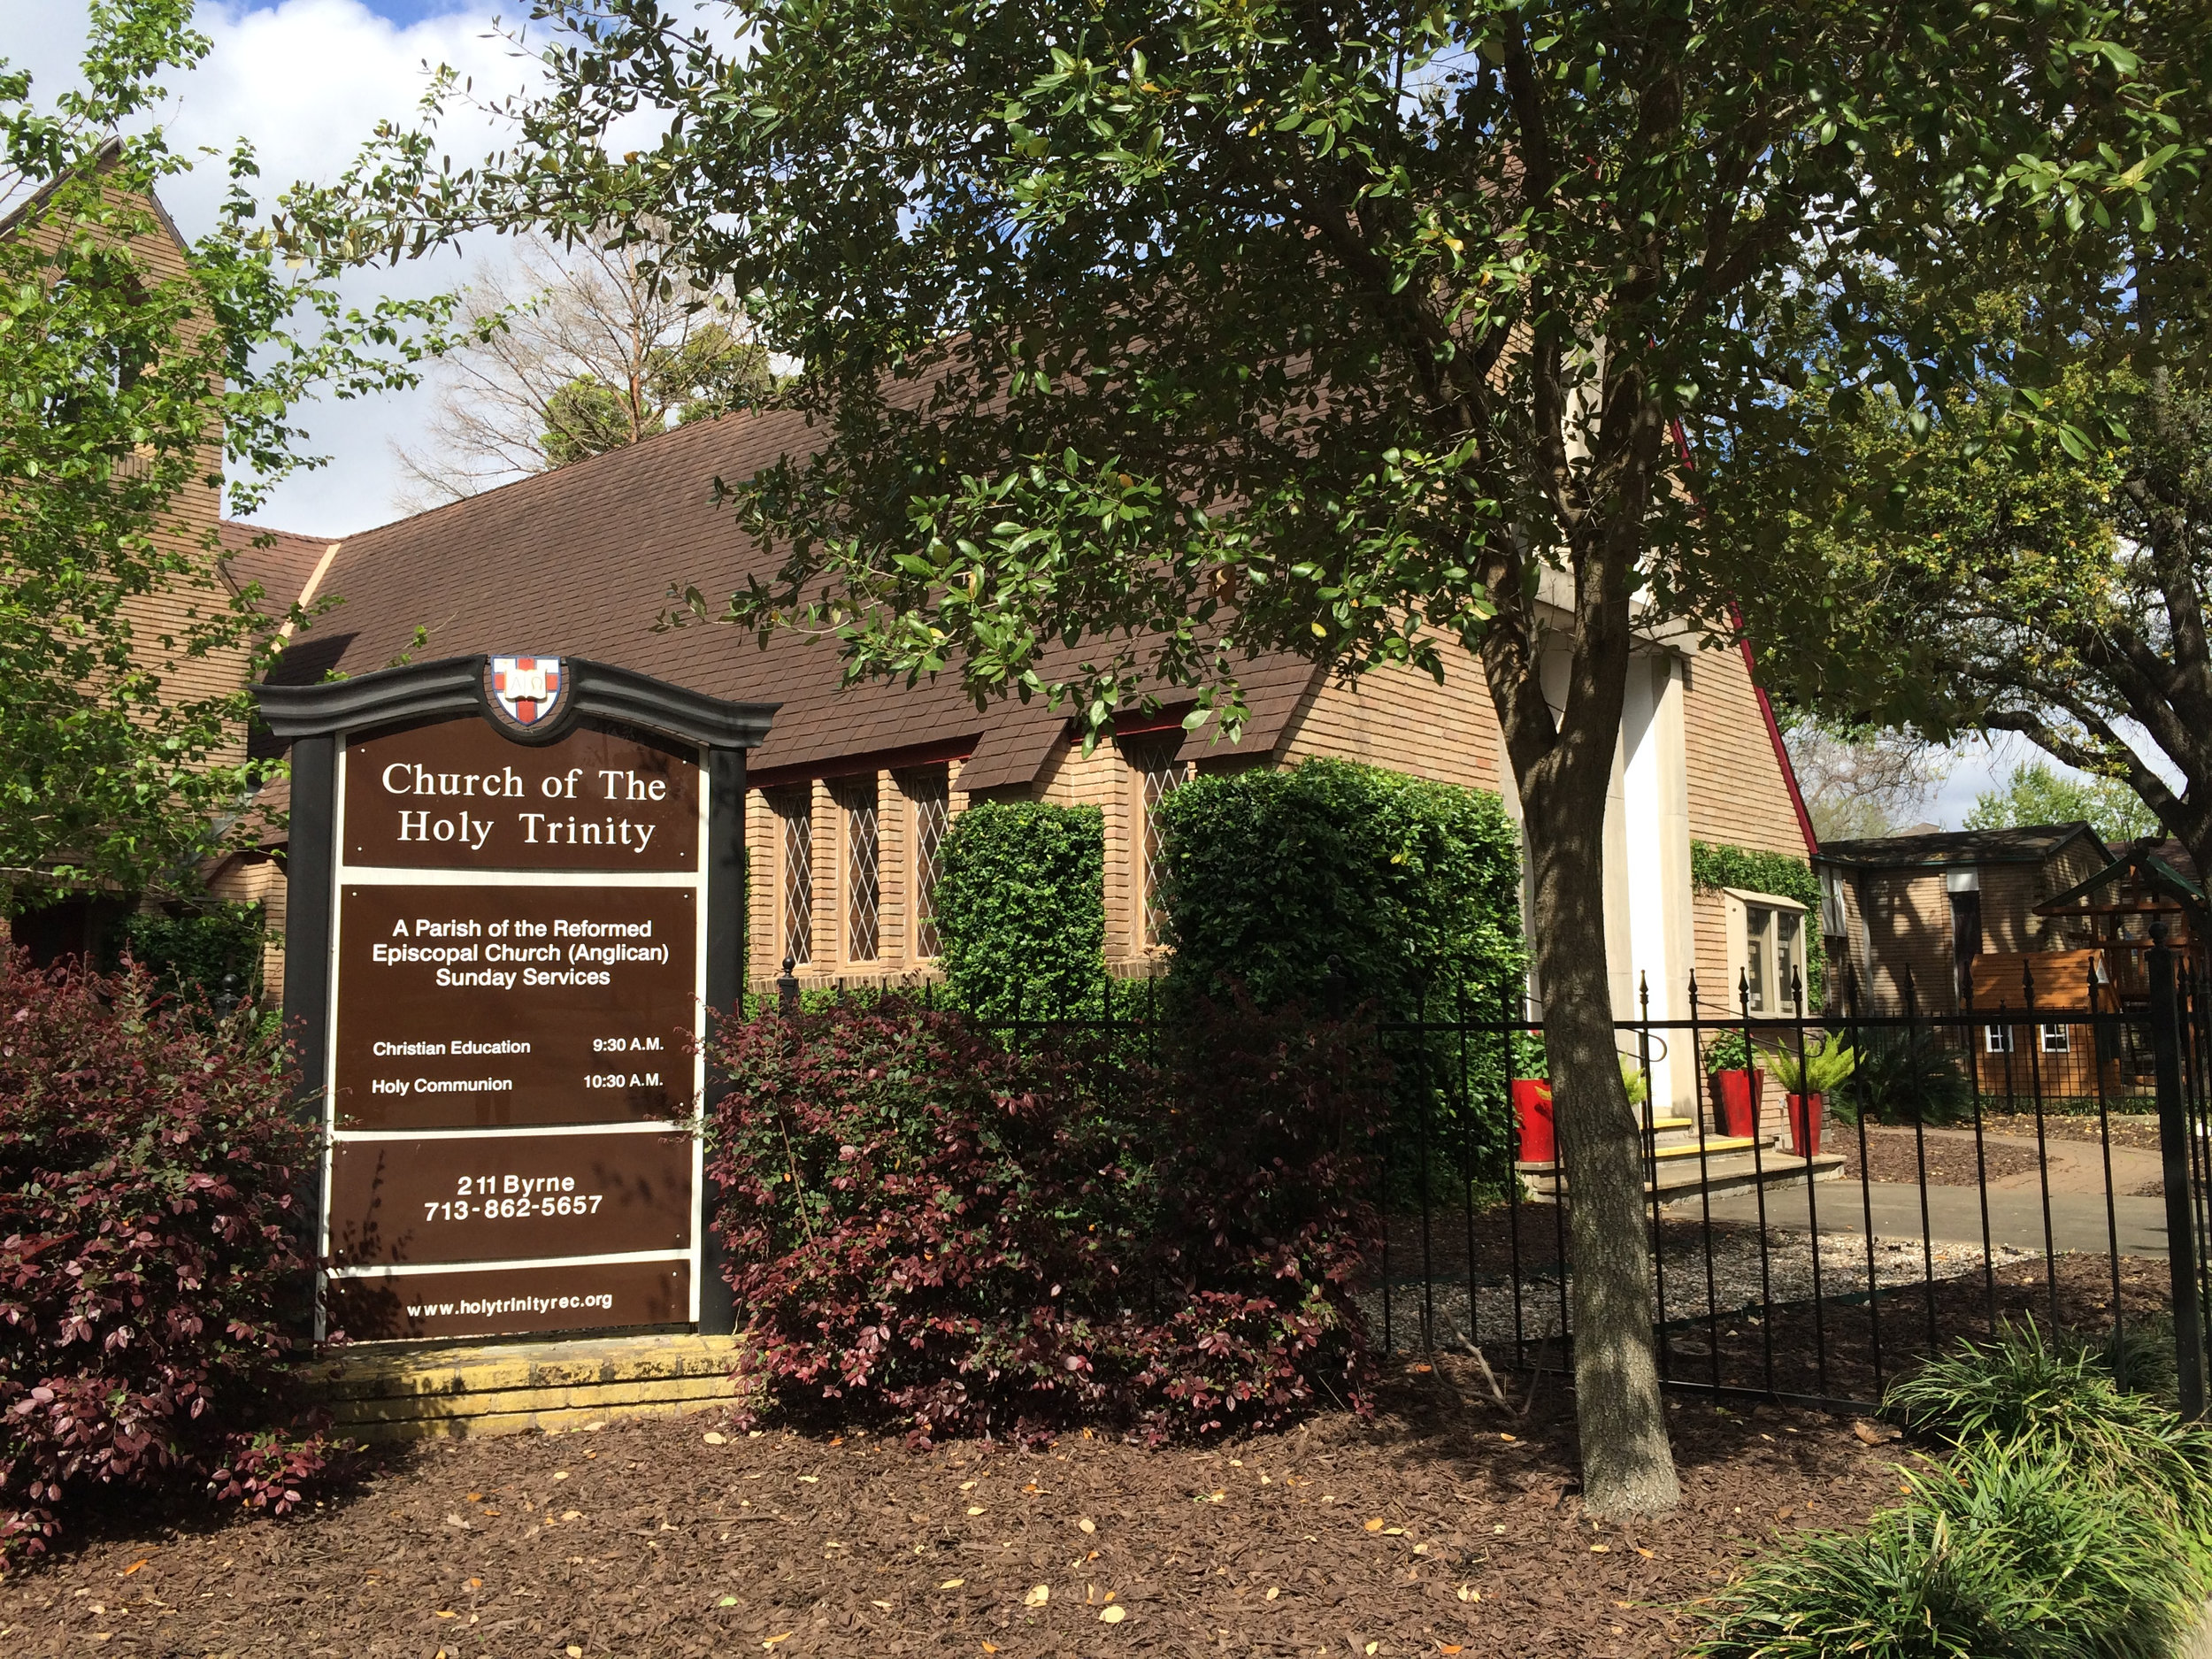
1021, 908
1411, 884
196, 953
1716, 864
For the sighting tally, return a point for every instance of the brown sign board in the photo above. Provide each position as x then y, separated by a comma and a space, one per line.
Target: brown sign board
455, 795
493, 1005
516, 887
491, 1198
514, 1301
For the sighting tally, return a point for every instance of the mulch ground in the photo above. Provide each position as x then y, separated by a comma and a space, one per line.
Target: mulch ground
1893, 1156
2129, 1129
1447, 1524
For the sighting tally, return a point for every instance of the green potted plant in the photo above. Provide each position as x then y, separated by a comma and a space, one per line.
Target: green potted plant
1531, 1100
1735, 1080
1805, 1078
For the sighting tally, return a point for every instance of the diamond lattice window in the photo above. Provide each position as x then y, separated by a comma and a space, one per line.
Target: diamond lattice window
932, 812
863, 889
1159, 769
798, 879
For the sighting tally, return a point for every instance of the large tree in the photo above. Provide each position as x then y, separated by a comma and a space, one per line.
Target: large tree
575, 351
2038, 568
1141, 335
128, 374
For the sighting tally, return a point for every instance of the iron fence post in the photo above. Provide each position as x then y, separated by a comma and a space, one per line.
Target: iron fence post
2173, 1145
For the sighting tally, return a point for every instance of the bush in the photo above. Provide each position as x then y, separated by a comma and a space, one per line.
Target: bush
149, 1153
1905, 1077
1021, 908
1998, 1553
929, 1229
1729, 1052
1408, 886
2071, 1516
206, 953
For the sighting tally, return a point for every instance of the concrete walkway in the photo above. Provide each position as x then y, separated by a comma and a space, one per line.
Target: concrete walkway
2079, 1220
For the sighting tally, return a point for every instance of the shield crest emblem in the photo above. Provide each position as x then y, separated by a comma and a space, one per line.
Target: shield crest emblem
526, 690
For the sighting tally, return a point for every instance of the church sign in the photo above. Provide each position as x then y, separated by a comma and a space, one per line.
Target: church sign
515, 888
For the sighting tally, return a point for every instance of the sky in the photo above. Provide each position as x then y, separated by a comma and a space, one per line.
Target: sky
305, 80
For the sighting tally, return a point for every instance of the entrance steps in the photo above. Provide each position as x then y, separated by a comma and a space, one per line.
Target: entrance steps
414, 1390
1680, 1166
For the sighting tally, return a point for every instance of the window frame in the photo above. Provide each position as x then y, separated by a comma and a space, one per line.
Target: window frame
794, 810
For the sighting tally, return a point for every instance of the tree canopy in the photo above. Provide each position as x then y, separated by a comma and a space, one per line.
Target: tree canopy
571, 353
2033, 793
126, 379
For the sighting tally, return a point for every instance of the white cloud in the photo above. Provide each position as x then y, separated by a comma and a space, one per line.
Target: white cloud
305, 81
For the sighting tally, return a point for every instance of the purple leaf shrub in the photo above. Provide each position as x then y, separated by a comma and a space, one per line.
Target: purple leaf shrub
150, 1246
922, 1228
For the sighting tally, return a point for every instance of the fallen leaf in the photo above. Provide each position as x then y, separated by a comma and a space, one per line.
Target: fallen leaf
727, 1601
574, 1651
455, 1520
560, 1474
133, 1568
571, 1515
476, 1497
1420, 1370
444, 1615
811, 1480
1088, 1524
1216, 1497
1112, 1615
1643, 1552
1508, 1437
476, 1584
1394, 1532
1870, 1434
1467, 1593
885, 1606
952, 1584
712, 1439
772, 1641
1274, 1591
990, 1648
1448, 1647
1038, 1596
1599, 1550
975, 1509
1372, 1645
1375, 1526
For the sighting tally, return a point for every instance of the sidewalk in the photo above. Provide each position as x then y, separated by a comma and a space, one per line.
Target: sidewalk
2079, 1220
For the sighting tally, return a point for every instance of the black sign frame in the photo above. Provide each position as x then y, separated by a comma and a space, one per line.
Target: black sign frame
318, 718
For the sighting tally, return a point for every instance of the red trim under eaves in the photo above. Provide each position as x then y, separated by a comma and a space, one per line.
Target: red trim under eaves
1751, 667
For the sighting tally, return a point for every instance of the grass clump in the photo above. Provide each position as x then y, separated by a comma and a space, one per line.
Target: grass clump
2071, 1517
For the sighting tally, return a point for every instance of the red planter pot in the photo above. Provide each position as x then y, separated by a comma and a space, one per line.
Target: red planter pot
1736, 1101
1804, 1124
1531, 1105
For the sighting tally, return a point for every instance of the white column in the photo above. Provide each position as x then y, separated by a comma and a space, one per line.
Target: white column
1655, 855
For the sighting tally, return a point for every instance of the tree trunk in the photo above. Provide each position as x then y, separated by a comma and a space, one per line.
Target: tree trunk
1627, 1466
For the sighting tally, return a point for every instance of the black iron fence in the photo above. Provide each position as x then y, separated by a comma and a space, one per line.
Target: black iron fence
1829, 1197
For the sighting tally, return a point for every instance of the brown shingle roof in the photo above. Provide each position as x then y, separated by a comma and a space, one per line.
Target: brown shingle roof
282, 567
578, 560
